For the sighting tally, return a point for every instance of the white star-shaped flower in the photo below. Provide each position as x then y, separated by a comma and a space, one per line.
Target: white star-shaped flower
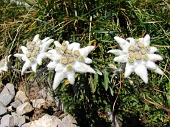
138, 56
34, 53
67, 59
4, 64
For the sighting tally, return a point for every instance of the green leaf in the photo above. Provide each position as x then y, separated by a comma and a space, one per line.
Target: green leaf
94, 85
44, 77
106, 80
98, 72
157, 1
146, 107
111, 90
29, 77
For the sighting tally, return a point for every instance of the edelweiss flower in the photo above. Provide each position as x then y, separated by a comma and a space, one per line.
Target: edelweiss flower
67, 59
4, 64
34, 53
138, 56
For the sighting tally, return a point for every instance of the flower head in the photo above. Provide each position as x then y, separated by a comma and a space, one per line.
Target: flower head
138, 56
67, 59
34, 53
4, 64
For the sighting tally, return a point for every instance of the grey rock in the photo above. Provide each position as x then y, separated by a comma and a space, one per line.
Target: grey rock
18, 119
24, 108
16, 103
21, 96
12, 120
68, 121
11, 89
7, 121
3, 109
5, 97
52, 121
7, 94
45, 121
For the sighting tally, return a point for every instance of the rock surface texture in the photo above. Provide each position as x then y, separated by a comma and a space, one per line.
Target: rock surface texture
18, 109
7, 94
21, 97
24, 108
3, 109
12, 120
45, 121
52, 121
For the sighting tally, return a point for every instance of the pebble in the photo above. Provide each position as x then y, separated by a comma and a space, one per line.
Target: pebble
24, 108
12, 120
7, 121
7, 94
18, 119
21, 96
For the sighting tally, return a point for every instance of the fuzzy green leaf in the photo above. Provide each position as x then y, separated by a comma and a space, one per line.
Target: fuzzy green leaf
106, 80
94, 85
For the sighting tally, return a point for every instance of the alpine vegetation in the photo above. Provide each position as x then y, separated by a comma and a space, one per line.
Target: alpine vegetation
34, 53
138, 56
67, 59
